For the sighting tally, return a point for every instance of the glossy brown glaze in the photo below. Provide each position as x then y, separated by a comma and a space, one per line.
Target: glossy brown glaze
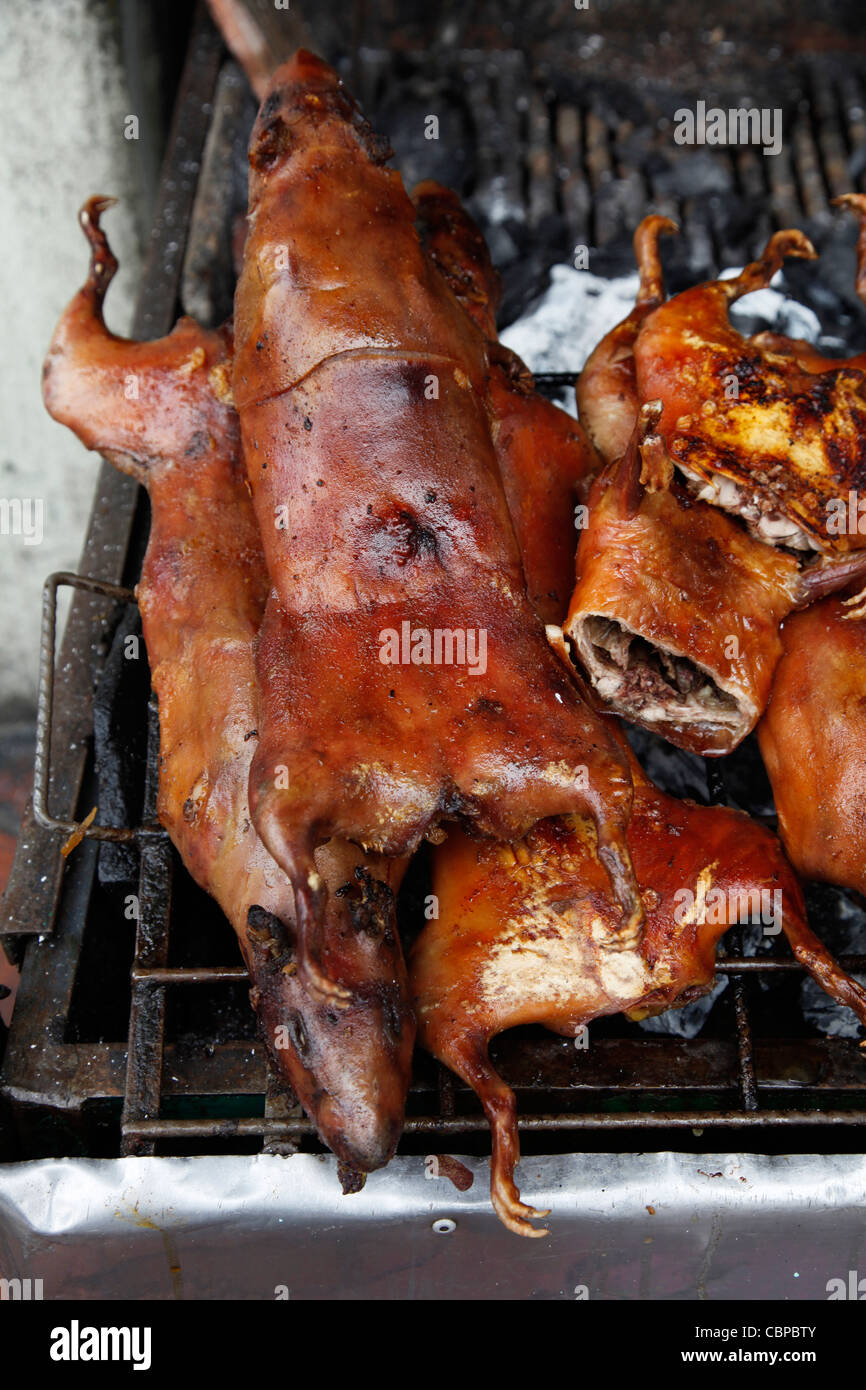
813, 742
162, 411
547, 464
524, 935
360, 385
676, 612
691, 586
459, 252
523, 931
758, 431
546, 461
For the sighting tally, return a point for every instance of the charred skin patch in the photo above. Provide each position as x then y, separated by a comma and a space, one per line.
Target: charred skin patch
371, 905
456, 247
818, 402
839, 456
198, 445
393, 1011
351, 1179
299, 1037
485, 705
791, 441
417, 539
751, 373
759, 384
400, 538
287, 107
274, 140
272, 944
457, 806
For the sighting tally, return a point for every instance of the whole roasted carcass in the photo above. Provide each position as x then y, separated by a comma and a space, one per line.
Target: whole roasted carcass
524, 931
421, 685
525, 935
162, 411
813, 734
676, 611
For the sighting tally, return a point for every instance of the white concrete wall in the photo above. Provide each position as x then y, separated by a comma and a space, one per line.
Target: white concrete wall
63, 102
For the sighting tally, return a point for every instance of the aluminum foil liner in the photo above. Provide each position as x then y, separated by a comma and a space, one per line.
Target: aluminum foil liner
623, 1226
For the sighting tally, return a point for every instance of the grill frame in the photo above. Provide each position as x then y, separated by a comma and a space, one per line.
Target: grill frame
44, 1072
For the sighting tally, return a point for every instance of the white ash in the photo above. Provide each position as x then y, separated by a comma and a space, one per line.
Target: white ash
560, 330
770, 309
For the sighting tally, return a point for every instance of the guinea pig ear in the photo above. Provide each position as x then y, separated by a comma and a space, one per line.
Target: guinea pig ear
651, 289
758, 274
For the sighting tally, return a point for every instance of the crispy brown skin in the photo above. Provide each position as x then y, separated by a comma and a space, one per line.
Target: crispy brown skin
547, 465
524, 931
545, 458
674, 570
690, 581
793, 436
202, 594
524, 934
360, 385
813, 742
459, 252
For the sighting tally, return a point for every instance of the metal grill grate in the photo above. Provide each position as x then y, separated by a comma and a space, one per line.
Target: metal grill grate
136, 1035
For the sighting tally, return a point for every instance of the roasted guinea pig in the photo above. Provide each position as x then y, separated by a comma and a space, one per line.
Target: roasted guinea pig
524, 935
202, 594
545, 458
676, 610
421, 685
761, 432
813, 742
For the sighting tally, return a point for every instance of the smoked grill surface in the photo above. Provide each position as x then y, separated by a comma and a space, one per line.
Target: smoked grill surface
136, 1036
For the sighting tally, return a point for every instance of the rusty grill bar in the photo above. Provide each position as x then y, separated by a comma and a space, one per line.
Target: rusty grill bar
157, 1090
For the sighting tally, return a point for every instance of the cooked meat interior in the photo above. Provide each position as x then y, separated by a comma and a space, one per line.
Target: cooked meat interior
648, 680
765, 520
